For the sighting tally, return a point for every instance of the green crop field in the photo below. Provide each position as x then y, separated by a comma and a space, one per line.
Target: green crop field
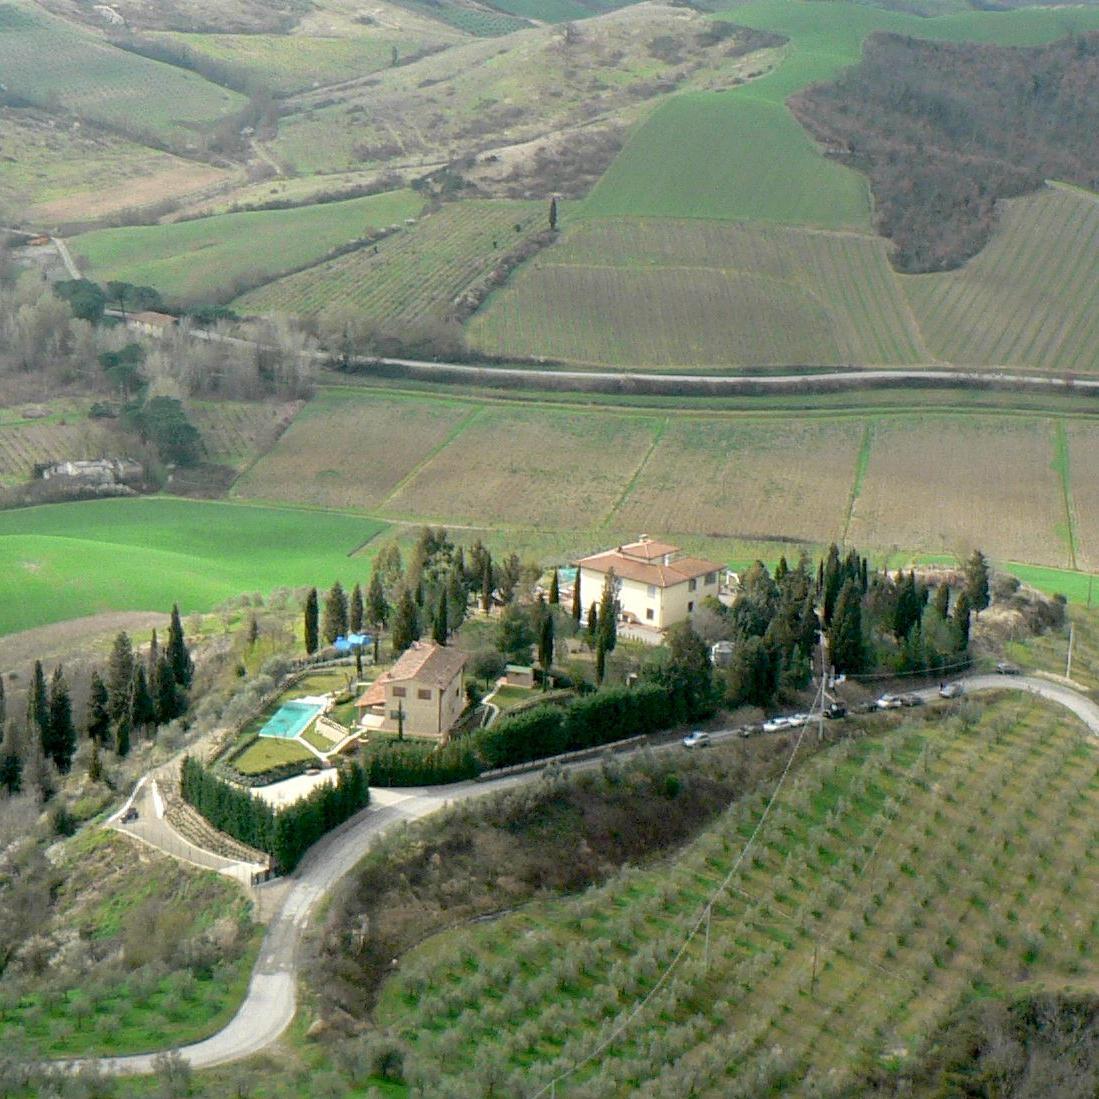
748, 157
414, 274
63, 561
672, 293
894, 876
47, 61
206, 258
1029, 298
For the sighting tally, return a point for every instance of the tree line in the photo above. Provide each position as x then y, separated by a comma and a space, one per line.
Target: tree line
132, 695
285, 834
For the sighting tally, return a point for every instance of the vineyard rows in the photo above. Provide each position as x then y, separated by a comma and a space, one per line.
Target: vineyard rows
657, 293
24, 445
1029, 298
233, 432
415, 274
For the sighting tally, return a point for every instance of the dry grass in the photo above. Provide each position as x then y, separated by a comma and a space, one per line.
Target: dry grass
747, 480
535, 468
945, 485
347, 451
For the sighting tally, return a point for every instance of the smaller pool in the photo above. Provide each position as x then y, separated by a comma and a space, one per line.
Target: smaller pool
290, 719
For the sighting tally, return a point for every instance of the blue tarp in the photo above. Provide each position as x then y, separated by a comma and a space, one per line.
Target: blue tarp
352, 641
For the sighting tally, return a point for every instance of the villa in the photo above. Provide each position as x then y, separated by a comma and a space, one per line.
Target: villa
422, 694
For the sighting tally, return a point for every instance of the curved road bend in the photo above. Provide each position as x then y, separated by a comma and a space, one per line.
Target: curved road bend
271, 1001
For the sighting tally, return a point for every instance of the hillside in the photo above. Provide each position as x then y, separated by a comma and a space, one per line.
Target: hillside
946, 130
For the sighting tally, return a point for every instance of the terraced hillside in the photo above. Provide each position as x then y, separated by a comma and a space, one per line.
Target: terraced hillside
1030, 298
894, 877
673, 293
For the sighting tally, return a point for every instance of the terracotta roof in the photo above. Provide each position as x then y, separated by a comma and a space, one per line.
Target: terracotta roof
647, 550
678, 571
424, 662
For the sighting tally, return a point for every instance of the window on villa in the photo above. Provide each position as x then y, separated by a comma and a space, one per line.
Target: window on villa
691, 585
690, 607
395, 715
399, 692
651, 593
711, 577
425, 695
649, 614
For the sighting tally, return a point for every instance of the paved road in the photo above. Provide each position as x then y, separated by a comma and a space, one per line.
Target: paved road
271, 1001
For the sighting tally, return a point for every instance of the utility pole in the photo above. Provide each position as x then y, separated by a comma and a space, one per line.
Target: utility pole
1071, 639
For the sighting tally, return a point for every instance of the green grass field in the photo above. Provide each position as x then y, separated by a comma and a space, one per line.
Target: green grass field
46, 60
63, 561
414, 274
648, 292
749, 158
206, 258
1031, 296
266, 753
840, 942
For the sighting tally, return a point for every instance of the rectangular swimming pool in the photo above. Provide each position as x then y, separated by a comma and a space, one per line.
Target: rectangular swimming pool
290, 719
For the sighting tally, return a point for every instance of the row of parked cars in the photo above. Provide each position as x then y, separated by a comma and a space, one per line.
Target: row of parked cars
837, 709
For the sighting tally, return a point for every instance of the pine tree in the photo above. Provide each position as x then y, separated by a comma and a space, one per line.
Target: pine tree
405, 627
608, 612
577, 609
845, 641
59, 745
545, 648
356, 610
976, 581
555, 590
98, 724
120, 677
179, 657
439, 628
143, 710
334, 623
38, 707
166, 698
311, 629
377, 607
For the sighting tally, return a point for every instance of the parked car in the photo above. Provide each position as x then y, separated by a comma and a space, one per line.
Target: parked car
697, 739
911, 700
1005, 667
889, 702
951, 690
775, 724
129, 816
835, 710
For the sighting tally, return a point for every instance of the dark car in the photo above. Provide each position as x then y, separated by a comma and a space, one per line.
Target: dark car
835, 710
129, 816
911, 700
1005, 667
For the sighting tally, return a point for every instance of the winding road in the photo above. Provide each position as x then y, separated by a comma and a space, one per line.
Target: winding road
271, 1000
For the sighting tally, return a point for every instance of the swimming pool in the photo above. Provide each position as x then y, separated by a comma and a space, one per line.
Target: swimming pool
290, 719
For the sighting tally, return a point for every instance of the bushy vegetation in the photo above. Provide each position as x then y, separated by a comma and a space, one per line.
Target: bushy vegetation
945, 130
284, 834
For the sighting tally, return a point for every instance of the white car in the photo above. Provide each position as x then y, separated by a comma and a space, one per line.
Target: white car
951, 690
889, 702
697, 739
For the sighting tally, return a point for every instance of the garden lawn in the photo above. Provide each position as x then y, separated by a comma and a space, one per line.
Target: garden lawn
64, 561
268, 752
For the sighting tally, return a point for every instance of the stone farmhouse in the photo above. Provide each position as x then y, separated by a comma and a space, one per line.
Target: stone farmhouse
424, 690
658, 585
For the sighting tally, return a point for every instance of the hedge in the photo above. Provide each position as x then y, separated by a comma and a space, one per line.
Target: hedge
591, 720
287, 834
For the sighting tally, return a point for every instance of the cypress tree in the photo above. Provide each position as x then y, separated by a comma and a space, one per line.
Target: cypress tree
11, 761
253, 637
600, 658
405, 625
553, 213
832, 582
942, 601
555, 590
355, 610
334, 622
976, 581
60, 742
377, 607
845, 640
144, 708
486, 583
311, 628
456, 596
608, 612
963, 609
439, 628
545, 648
576, 607
120, 677
122, 736
166, 697
153, 659
99, 716
593, 623
179, 657
38, 707
95, 764
3, 704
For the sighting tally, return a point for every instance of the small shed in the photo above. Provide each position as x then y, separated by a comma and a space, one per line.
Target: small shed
519, 675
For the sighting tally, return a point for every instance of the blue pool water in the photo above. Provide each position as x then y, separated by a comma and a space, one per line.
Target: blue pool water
290, 719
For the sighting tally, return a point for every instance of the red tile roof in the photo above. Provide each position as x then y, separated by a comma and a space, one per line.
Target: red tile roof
422, 661
637, 562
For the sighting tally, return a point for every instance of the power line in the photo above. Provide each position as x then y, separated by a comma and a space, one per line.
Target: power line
703, 920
